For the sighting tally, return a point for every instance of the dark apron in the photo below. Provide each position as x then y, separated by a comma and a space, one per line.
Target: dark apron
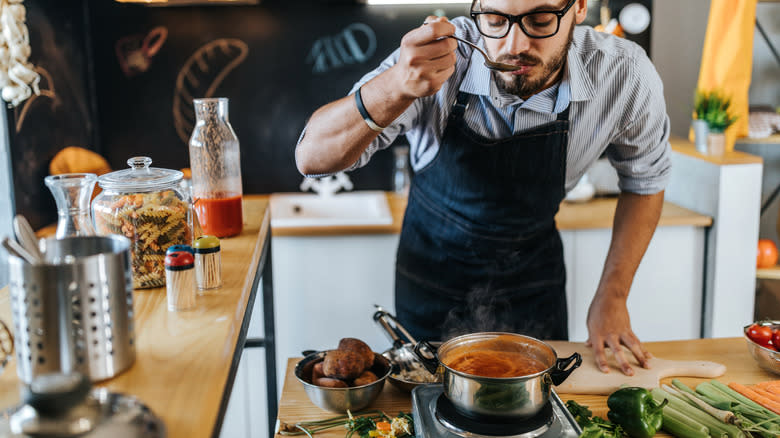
479, 250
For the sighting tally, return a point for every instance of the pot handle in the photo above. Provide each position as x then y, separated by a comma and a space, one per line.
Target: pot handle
430, 364
560, 373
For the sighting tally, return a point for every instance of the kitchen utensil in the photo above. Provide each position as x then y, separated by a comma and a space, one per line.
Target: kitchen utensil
64, 405
590, 380
6, 345
341, 399
72, 193
489, 63
767, 359
408, 372
74, 311
15, 249
514, 397
146, 205
26, 236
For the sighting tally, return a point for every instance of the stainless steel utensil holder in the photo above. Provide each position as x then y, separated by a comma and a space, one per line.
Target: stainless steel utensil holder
75, 311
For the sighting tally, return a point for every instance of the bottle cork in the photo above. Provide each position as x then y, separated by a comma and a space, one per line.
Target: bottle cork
180, 280
208, 262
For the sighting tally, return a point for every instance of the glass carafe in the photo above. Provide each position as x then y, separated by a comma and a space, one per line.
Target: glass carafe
72, 194
216, 169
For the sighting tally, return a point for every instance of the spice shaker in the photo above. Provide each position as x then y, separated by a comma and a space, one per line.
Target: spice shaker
208, 263
216, 169
175, 248
180, 280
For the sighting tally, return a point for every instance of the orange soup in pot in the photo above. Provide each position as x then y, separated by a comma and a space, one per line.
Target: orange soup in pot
491, 363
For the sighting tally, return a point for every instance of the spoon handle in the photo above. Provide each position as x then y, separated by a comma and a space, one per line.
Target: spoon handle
489, 63
26, 236
15, 249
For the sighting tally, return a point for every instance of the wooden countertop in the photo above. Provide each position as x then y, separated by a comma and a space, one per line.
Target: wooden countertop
295, 406
185, 361
596, 213
685, 147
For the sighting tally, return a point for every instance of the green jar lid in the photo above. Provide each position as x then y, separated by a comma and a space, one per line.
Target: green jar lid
206, 244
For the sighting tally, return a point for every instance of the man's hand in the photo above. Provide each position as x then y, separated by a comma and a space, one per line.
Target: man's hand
427, 58
609, 326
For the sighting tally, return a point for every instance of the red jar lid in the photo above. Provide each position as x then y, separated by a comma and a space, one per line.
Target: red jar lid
179, 260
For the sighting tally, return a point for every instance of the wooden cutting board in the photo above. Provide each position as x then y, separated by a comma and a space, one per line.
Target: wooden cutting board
588, 379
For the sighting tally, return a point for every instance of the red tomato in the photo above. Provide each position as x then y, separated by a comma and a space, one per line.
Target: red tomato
776, 338
760, 334
767, 254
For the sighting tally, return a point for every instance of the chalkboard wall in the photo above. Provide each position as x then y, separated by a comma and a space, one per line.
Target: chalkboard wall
277, 62
62, 115
121, 79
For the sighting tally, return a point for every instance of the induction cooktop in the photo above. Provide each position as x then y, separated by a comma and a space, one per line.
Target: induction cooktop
435, 417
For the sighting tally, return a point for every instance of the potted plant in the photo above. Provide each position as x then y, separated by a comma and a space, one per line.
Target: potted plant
712, 108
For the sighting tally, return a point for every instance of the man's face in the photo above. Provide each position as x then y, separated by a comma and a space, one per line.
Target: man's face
540, 59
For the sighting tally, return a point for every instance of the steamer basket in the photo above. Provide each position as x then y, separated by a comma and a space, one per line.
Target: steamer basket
75, 311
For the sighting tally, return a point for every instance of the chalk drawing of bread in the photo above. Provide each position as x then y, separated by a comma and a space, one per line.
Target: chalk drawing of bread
47, 90
200, 76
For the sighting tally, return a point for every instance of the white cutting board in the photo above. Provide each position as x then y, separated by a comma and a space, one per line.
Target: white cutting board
588, 379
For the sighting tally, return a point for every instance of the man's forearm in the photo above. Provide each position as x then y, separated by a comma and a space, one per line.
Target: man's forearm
336, 135
636, 218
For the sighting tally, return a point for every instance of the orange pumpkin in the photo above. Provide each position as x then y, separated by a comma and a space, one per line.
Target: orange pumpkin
767, 254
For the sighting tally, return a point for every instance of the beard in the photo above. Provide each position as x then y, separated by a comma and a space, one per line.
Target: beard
523, 86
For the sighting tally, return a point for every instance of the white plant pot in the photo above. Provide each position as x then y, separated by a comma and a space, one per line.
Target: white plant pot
700, 132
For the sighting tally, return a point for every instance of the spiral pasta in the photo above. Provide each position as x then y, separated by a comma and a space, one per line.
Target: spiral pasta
153, 222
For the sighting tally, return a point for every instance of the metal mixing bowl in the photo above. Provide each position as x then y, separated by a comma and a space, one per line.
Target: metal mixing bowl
341, 399
766, 358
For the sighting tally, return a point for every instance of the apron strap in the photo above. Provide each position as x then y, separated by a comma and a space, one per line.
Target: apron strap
459, 108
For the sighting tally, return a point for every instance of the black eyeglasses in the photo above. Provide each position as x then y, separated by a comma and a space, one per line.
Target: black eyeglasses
537, 24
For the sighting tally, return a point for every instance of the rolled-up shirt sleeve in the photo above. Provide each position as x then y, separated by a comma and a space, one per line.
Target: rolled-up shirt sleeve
640, 150
399, 126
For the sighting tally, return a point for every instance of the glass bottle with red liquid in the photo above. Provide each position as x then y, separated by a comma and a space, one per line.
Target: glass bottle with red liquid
216, 169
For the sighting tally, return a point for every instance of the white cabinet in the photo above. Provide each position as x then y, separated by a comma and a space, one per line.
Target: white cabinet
665, 302
325, 288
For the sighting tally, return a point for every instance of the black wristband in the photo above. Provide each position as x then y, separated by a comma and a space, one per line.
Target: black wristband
363, 113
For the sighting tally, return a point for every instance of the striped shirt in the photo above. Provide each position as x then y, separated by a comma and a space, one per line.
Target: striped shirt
613, 90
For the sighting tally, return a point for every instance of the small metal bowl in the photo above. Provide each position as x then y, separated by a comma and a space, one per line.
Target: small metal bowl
767, 359
340, 399
404, 354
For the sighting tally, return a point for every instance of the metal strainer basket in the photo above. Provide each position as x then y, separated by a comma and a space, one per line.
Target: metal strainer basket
75, 311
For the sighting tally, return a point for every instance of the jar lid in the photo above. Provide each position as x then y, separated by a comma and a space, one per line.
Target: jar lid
140, 177
206, 244
176, 248
179, 260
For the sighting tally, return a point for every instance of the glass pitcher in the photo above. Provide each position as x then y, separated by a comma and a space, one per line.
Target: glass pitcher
216, 169
72, 193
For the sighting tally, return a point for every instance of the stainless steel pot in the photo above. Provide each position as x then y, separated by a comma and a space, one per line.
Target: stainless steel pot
500, 398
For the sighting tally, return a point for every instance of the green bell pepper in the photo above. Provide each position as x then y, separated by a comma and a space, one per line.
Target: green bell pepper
635, 410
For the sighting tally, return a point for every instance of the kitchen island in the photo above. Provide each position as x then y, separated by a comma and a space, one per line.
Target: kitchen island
295, 406
186, 361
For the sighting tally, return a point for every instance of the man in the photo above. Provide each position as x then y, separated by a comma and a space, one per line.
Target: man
494, 154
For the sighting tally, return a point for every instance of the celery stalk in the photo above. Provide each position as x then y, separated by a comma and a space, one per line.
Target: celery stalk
681, 426
716, 427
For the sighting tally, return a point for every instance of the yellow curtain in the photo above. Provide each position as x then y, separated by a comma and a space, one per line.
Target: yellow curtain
727, 58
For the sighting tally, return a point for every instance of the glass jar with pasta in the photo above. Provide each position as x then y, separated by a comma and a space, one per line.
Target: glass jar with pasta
145, 205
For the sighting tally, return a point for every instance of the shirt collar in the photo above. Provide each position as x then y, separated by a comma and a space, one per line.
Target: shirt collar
575, 86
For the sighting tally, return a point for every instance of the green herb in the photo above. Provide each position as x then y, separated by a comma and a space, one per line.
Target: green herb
713, 107
593, 427
359, 425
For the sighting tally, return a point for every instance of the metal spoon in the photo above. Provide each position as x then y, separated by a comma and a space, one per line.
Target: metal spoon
489, 63
15, 249
26, 236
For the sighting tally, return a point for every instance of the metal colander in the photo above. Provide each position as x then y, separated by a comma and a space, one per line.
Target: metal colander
75, 311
